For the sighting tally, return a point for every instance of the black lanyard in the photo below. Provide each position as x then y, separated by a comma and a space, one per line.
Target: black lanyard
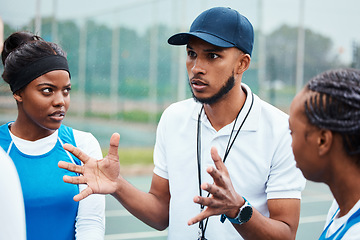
202, 228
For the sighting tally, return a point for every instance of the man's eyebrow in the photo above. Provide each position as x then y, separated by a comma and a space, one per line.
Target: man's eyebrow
215, 49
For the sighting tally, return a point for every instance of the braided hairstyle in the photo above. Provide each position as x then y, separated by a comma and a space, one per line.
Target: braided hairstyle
335, 105
22, 48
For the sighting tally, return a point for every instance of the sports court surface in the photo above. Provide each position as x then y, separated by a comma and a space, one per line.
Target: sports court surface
121, 225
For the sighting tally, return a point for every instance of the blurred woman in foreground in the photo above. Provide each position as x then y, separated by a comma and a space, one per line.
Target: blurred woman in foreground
325, 127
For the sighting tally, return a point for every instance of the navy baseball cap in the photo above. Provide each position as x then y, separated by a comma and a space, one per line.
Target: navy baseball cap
222, 27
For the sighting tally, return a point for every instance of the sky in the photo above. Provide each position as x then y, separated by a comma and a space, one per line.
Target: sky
338, 20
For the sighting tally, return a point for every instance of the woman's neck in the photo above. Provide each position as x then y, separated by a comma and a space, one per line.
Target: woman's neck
28, 131
345, 186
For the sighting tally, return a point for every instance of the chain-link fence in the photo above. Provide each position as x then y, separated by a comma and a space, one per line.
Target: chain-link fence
123, 71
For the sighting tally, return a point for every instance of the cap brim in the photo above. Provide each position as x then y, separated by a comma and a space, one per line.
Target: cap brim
183, 39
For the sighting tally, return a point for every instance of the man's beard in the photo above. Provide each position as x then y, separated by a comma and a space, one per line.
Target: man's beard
230, 83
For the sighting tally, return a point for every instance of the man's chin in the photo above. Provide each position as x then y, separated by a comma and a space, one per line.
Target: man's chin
201, 100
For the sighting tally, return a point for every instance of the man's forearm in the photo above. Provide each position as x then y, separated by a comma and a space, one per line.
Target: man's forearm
151, 208
260, 227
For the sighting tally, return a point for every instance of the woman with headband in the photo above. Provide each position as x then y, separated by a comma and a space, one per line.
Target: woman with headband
39, 77
324, 123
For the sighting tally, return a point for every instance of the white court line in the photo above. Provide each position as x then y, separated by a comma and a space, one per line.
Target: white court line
317, 198
125, 213
117, 213
152, 234
312, 219
137, 235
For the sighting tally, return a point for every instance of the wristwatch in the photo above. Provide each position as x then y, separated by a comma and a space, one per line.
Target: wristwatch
244, 215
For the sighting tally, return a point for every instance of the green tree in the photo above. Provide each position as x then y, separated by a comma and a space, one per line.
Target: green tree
281, 51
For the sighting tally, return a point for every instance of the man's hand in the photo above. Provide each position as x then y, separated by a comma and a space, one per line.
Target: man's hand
100, 175
223, 198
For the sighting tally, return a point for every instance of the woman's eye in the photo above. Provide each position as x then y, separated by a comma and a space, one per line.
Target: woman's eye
47, 90
67, 90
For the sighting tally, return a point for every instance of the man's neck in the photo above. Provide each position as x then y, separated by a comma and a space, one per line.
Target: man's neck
225, 110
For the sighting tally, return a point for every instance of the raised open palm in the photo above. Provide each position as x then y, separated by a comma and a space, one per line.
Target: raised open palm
100, 175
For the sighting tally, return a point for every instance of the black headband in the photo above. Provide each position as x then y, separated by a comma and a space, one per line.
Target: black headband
36, 69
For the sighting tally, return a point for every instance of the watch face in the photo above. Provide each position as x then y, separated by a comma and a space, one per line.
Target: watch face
246, 213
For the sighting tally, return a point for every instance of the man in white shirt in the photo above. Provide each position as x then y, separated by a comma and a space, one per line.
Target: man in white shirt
262, 198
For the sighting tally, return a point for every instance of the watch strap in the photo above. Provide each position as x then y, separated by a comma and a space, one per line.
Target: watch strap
244, 215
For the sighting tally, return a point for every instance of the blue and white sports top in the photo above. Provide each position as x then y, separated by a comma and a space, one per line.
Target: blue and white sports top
353, 218
49, 206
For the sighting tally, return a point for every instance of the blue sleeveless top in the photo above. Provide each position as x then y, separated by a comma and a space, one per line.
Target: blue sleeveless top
339, 234
50, 210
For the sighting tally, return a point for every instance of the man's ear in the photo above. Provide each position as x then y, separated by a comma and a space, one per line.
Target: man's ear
244, 63
17, 96
325, 142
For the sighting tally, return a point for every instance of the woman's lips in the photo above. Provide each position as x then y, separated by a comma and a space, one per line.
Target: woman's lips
58, 115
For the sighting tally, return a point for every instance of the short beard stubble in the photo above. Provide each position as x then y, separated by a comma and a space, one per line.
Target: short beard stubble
230, 83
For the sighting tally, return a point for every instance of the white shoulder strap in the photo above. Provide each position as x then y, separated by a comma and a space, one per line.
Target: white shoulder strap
72, 160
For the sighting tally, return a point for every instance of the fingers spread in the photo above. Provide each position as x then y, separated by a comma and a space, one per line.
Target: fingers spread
197, 219
114, 145
74, 180
77, 152
217, 159
83, 194
209, 211
216, 175
71, 167
213, 189
206, 201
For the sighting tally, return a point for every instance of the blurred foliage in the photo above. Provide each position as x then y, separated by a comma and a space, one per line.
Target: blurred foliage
138, 116
281, 51
128, 116
135, 58
129, 156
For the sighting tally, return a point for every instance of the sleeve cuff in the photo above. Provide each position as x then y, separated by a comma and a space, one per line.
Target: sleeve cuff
285, 194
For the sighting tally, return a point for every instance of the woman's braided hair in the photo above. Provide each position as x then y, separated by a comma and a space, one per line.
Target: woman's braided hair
335, 105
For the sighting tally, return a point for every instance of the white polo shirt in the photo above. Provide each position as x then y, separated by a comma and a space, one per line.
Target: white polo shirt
260, 163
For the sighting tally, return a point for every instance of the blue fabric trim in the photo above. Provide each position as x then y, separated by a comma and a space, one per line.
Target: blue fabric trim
339, 234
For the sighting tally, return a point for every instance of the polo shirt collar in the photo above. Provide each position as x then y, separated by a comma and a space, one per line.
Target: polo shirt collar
252, 121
